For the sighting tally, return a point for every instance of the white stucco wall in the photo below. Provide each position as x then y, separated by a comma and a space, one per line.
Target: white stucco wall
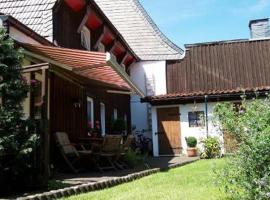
198, 132
186, 131
139, 71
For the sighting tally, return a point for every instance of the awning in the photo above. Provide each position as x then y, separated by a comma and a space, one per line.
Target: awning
96, 66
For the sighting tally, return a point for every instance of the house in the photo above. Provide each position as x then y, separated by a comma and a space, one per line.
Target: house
122, 28
209, 73
75, 86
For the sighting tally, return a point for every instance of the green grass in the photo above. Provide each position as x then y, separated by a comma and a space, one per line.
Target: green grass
193, 181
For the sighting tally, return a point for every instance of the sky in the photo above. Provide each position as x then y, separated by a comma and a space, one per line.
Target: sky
192, 21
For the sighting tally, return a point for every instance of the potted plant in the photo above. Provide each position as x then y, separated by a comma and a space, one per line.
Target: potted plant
94, 132
191, 143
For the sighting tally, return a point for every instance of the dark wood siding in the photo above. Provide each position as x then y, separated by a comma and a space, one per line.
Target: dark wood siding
221, 67
65, 25
65, 117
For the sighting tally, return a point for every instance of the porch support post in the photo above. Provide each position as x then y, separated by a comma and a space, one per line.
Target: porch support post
154, 132
45, 137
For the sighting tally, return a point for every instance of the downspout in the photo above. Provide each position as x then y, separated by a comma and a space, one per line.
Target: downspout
206, 115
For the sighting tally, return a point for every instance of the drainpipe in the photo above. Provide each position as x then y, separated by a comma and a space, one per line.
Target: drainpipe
206, 114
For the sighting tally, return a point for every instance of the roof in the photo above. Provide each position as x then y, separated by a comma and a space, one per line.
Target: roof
128, 16
217, 94
95, 66
139, 30
220, 68
36, 14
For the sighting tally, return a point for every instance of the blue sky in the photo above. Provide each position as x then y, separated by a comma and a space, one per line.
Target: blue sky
191, 21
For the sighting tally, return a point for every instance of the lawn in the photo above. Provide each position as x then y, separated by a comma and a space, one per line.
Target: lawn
193, 181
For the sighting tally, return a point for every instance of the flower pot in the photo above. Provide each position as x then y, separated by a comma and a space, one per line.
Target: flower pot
192, 152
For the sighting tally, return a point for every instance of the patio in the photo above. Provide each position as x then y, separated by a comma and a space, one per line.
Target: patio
162, 163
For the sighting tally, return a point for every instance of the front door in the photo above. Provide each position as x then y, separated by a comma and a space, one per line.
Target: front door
169, 131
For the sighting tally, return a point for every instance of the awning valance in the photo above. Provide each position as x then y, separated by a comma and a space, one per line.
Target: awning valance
96, 66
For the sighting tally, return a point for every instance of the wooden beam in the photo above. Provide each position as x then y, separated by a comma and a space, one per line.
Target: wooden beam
119, 92
85, 18
110, 47
99, 35
124, 58
33, 68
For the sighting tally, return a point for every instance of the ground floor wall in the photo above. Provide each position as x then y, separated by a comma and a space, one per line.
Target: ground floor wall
186, 130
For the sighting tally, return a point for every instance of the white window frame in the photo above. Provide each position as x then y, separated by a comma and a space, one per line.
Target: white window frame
86, 38
89, 99
103, 118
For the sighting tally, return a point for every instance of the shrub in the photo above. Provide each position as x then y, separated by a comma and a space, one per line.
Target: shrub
247, 175
133, 158
211, 148
191, 142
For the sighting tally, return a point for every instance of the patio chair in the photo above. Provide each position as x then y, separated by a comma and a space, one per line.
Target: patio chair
108, 152
125, 147
69, 151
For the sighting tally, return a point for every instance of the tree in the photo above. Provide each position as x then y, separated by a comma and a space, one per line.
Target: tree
17, 136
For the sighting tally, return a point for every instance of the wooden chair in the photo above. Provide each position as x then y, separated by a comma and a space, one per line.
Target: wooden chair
108, 151
125, 147
69, 151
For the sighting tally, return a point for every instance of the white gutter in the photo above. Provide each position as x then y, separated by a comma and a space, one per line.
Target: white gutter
121, 72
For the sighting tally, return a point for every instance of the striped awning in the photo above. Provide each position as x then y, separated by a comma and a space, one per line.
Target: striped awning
96, 66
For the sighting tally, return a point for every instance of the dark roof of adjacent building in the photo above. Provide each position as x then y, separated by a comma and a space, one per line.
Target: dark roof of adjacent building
128, 16
219, 68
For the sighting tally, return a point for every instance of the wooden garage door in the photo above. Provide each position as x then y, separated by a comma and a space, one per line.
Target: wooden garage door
169, 131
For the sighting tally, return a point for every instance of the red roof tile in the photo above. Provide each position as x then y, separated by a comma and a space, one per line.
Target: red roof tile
92, 65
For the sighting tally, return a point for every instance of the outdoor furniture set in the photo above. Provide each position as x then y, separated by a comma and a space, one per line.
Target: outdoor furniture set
105, 153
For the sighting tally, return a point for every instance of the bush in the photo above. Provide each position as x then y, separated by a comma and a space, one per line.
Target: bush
191, 142
247, 175
211, 148
133, 158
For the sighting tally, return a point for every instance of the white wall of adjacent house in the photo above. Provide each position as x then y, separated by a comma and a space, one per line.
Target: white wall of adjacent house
198, 132
150, 77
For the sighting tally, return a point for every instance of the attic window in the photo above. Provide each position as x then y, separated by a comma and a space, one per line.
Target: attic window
86, 38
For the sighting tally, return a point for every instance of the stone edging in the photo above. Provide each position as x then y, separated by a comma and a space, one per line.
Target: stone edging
89, 187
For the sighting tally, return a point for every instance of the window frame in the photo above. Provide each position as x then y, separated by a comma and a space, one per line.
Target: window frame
115, 114
196, 122
103, 118
89, 99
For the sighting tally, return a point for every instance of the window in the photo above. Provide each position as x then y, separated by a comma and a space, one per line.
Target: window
115, 113
103, 118
86, 38
196, 119
90, 112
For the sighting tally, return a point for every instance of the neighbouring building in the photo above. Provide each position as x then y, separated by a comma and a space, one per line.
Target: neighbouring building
209, 73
